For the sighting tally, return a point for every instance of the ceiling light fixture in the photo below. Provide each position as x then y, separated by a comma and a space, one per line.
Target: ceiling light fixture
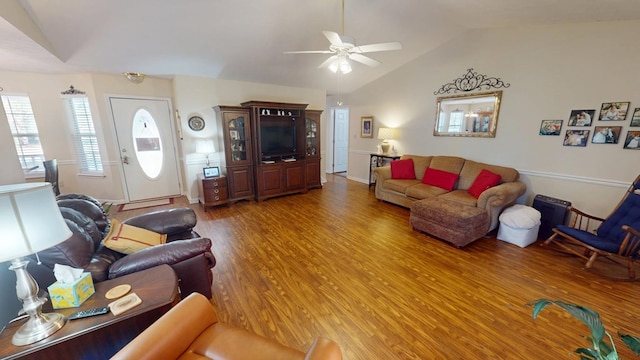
340, 64
134, 77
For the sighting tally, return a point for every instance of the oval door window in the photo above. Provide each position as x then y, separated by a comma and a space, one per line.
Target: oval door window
147, 143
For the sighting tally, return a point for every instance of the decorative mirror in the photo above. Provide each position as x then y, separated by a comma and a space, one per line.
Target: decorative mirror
468, 114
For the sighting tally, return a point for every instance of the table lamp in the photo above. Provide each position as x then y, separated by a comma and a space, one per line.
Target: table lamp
30, 221
206, 147
385, 134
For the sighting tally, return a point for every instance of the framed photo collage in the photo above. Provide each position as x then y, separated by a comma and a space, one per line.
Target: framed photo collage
597, 127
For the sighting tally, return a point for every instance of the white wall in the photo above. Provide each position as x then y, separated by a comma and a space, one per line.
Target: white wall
190, 95
552, 70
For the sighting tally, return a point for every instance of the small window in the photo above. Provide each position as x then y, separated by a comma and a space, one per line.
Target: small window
23, 127
455, 122
84, 135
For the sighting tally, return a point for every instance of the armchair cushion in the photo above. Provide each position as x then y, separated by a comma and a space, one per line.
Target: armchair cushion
440, 178
591, 239
129, 239
402, 169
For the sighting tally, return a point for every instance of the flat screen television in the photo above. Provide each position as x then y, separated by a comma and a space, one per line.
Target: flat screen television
278, 140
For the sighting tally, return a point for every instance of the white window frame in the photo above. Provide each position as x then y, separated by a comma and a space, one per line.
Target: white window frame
456, 118
85, 140
17, 119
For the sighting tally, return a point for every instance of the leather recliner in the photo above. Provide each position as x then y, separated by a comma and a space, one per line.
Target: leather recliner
191, 330
185, 251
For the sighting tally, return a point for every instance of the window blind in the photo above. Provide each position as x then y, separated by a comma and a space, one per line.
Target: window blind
23, 127
84, 135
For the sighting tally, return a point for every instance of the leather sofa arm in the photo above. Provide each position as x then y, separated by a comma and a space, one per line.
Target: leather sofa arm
170, 253
165, 221
323, 349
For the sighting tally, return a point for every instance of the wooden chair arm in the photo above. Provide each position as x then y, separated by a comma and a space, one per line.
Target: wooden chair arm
631, 243
582, 213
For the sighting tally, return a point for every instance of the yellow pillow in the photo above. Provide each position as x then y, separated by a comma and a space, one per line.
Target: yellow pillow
128, 239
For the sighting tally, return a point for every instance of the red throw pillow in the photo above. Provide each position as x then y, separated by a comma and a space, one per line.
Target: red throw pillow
402, 169
439, 178
483, 181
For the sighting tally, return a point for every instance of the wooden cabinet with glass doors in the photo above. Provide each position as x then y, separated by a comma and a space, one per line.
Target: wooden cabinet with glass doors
234, 131
312, 147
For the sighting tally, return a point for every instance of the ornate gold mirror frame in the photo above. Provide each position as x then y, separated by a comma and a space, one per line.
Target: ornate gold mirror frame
474, 115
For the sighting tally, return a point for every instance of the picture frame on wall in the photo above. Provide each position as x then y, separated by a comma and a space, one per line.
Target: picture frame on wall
632, 140
606, 134
550, 127
576, 138
581, 117
366, 127
614, 111
635, 120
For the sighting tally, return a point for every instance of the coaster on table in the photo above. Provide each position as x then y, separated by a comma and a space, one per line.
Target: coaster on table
121, 305
118, 291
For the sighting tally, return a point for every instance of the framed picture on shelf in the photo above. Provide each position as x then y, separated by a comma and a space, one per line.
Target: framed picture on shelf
632, 141
614, 111
581, 117
211, 172
366, 127
550, 127
576, 138
635, 120
233, 134
606, 134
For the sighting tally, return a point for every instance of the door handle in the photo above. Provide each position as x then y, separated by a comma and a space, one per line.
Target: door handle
125, 159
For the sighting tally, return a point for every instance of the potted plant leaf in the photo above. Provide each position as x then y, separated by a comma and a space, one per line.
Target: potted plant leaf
603, 348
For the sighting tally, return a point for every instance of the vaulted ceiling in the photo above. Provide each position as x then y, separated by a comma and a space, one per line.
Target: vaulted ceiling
245, 39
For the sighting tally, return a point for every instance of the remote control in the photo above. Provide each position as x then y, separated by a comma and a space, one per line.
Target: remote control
89, 312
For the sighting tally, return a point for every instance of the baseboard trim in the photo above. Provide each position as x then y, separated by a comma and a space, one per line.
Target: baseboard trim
572, 178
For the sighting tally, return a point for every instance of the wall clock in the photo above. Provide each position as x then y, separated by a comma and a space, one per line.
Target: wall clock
196, 123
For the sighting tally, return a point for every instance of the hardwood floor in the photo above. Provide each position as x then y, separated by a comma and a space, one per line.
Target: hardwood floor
338, 263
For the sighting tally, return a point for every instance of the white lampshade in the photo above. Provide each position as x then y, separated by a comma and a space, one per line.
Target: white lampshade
30, 220
205, 146
385, 134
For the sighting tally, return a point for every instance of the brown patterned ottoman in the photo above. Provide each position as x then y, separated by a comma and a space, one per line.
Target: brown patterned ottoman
454, 222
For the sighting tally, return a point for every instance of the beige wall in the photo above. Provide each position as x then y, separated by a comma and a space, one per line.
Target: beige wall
190, 95
552, 70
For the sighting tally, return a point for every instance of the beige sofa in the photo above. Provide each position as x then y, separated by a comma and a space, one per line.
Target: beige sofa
405, 192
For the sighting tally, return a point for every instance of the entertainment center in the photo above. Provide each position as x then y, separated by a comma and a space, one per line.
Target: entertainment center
271, 149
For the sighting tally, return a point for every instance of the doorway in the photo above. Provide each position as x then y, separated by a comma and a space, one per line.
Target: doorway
340, 123
146, 142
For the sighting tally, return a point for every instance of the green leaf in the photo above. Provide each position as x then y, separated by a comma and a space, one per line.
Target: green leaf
631, 341
584, 314
590, 353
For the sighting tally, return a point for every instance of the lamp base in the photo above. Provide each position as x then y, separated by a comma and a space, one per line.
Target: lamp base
385, 147
38, 328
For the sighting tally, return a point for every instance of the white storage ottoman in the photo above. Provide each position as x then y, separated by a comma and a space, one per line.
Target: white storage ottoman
519, 225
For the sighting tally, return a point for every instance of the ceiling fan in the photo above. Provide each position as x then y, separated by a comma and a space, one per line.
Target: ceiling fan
344, 47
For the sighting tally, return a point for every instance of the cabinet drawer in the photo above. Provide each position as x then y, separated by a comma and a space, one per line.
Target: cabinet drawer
215, 194
214, 183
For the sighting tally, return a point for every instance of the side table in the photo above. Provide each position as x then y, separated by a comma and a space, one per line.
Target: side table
212, 191
377, 160
100, 337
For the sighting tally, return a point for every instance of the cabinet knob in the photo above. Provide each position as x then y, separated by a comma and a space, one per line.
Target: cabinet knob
217, 197
215, 183
216, 191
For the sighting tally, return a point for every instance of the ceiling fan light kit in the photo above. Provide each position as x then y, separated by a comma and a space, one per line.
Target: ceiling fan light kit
343, 48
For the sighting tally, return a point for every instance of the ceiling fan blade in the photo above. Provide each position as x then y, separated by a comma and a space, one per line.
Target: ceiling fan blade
328, 61
309, 52
388, 46
333, 37
363, 59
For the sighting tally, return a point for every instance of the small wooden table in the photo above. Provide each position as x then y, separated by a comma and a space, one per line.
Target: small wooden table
377, 160
100, 337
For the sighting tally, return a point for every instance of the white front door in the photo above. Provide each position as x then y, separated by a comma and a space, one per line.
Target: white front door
340, 139
145, 139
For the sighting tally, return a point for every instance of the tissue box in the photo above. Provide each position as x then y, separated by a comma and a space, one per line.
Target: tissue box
73, 294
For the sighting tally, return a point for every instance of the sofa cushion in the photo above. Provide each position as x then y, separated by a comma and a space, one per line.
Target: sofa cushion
128, 239
424, 191
420, 164
452, 164
399, 185
461, 197
483, 181
402, 169
440, 178
471, 169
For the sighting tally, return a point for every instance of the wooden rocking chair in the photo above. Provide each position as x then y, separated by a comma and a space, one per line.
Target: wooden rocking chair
616, 237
